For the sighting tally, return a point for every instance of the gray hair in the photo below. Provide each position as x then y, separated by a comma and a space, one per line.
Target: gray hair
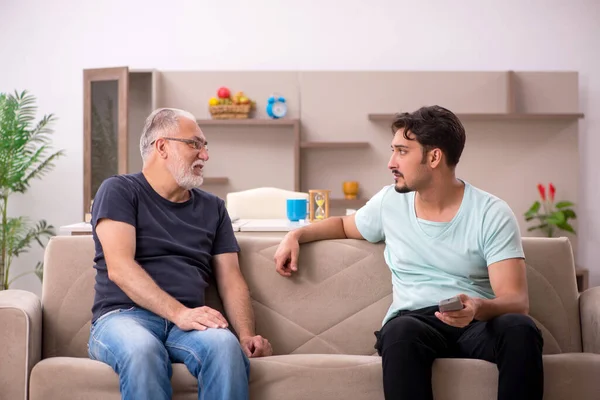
162, 121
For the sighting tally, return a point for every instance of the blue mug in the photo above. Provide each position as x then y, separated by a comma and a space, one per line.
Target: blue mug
296, 209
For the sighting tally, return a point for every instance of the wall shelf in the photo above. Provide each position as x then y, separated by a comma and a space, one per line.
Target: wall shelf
247, 122
515, 103
334, 145
497, 116
293, 123
216, 180
347, 203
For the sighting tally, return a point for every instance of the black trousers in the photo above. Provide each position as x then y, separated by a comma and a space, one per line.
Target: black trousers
411, 341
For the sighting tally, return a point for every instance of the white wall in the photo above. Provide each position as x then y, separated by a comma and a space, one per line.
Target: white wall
45, 45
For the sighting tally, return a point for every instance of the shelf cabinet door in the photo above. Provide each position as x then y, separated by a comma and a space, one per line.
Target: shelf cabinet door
104, 127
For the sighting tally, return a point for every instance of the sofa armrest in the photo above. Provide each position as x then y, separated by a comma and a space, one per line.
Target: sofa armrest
20, 341
589, 310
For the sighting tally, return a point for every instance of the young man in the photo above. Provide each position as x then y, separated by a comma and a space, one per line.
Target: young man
443, 238
159, 239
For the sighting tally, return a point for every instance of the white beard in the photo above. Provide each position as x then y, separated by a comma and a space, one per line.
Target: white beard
184, 175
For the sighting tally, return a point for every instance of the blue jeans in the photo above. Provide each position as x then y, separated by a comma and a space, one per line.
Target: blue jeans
140, 346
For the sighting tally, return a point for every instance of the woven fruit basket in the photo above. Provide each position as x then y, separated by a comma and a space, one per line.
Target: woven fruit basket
230, 111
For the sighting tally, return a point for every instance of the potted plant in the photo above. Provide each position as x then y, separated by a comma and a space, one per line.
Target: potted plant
24, 155
548, 215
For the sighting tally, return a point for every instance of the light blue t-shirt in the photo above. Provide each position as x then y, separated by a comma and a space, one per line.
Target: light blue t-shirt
432, 261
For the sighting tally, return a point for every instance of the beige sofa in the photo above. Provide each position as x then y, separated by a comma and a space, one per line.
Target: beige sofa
320, 322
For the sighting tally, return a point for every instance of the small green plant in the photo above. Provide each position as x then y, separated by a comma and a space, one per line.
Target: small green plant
24, 156
548, 215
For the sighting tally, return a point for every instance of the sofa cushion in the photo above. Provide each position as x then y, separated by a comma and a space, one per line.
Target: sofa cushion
359, 377
316, 376
20, 344
68, 295
303, 376
82, 378
342, 289
553, 294
332, 305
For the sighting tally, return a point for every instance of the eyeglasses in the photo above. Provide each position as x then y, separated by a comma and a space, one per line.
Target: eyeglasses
193, 143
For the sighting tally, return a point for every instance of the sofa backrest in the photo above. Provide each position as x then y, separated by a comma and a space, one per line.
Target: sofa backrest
553, 295
333, 304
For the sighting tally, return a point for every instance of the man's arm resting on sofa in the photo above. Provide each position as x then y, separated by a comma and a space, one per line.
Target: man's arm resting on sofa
235, 295
589, 309
286, 256
118, 244
20, 340
330, 228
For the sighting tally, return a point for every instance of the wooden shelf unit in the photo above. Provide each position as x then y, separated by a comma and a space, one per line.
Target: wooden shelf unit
216, 180
347, 203
247, 122
334, 145
520, 98
511, 114
293, 123
496, 116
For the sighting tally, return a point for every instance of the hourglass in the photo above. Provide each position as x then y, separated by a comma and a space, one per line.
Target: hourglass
318, 204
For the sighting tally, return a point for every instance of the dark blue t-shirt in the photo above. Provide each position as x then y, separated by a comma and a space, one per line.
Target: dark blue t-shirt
175, 242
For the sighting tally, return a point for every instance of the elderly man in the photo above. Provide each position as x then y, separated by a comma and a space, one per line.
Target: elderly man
158, 241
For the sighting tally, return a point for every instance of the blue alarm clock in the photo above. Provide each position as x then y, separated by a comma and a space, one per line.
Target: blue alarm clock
276, 107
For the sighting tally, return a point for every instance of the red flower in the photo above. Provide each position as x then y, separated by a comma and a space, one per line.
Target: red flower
552, 191
542, 191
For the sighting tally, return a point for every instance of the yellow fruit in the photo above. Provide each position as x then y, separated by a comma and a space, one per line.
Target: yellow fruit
213, 101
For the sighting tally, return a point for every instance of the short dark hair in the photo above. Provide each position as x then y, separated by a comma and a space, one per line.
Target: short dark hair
434, 127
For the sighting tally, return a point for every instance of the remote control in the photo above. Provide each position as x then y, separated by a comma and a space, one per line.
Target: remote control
451, 304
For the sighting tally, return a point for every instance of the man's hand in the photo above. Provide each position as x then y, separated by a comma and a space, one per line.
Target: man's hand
286, 256
199, 318
460, 318
256, 346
